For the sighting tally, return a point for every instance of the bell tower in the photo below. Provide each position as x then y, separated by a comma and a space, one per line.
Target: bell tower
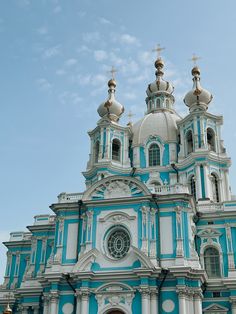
109, 152
201, 146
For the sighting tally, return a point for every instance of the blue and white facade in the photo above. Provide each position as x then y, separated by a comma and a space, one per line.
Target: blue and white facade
155, 229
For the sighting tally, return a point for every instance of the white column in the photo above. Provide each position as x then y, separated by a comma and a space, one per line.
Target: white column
53, 302
78, 302
154, 302
207, 180
45, 304
145, 293
198, 182
197, 303
182, 301
84, 301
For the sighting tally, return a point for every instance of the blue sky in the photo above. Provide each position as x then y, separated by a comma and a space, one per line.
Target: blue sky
54, 59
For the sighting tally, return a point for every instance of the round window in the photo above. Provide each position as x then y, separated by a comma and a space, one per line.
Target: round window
118, 242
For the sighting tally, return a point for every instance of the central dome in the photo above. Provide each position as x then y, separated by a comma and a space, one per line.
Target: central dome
162, 124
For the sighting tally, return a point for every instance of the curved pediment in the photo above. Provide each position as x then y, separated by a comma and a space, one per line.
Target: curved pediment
116, 187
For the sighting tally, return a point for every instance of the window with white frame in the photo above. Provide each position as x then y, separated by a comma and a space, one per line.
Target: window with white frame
212, 262
116, 150
211, 139
189, 140
154, 155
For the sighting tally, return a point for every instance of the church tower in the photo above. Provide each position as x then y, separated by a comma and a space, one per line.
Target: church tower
154, 231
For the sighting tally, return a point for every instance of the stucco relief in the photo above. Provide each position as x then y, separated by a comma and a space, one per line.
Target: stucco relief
114, 295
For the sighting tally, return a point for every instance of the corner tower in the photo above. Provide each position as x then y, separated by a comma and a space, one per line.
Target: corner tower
109, 152
202, 152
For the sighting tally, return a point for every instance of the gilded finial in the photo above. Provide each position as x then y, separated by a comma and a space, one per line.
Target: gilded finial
112, 80
195, 69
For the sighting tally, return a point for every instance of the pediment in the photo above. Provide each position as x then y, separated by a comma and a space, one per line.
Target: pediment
116, 187
215, 308
209, 233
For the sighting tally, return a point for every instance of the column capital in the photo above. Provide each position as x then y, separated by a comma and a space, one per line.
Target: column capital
181, 291
197, 293
144, 290
53, 296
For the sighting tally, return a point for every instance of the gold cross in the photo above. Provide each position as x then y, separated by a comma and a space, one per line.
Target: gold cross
112, 71
158, 49
194, 59
130, 115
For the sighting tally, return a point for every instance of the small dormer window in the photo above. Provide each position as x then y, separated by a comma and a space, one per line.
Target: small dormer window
154, 155
158, 103
116, 150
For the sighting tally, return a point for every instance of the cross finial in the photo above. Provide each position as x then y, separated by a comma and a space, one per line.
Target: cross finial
112, 71
158, 50
130, 115
194, 59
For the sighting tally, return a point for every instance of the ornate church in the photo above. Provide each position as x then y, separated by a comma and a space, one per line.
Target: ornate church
153, 232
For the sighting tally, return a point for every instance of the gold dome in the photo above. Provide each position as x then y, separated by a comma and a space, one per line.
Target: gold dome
111, 82
159, 64
196, 71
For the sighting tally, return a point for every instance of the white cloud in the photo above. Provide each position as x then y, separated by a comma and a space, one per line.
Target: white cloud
43, 84
100, 55
83, 48
67, 98
57, 9
91, 37
84, 79
24, 3
146, 57
60, 72
129, 95
130, 67
42, 30
51, 52
98, 80
129, 39
104, 21
71, 62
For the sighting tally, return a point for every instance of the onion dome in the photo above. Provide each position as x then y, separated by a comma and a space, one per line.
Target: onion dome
111, 108
198, 98
159, 85
7, 310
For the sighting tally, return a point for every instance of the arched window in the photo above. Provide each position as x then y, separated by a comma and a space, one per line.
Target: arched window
167, 104
96, 151
215, 188
211, 139
189, 139
154, 155
212, 262
193, 187
158, 103
116, 150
